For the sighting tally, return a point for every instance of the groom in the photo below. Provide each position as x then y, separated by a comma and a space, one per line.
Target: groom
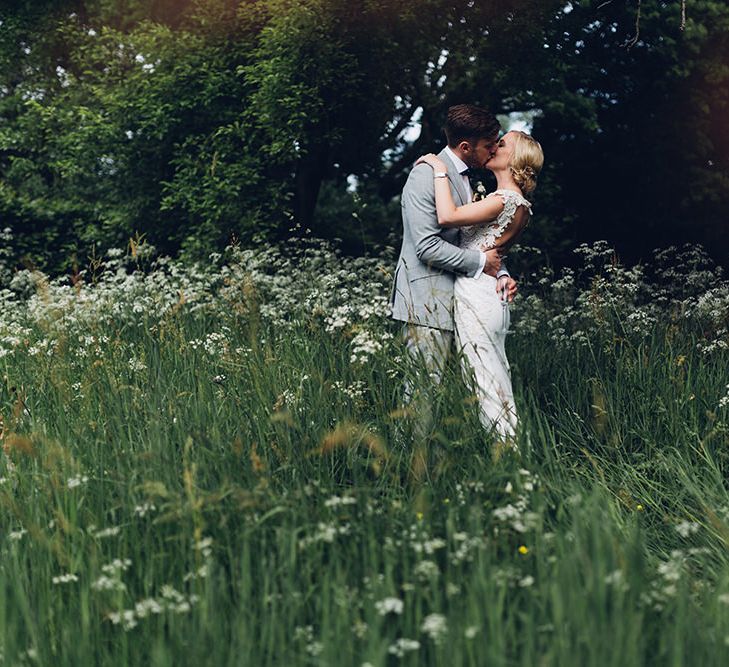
430, 259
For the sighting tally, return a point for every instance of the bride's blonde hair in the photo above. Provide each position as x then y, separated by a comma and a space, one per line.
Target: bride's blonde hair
526, 161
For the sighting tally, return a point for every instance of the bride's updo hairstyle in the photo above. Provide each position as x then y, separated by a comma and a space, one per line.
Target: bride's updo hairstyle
526, 161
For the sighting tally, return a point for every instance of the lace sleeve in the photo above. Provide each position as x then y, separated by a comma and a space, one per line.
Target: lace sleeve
512, 200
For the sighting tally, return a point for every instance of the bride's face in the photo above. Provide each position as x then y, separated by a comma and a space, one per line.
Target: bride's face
504, 151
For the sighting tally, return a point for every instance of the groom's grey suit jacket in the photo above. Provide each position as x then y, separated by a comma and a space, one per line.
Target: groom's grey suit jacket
430, 258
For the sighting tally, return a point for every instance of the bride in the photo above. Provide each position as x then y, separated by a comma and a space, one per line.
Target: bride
480, 312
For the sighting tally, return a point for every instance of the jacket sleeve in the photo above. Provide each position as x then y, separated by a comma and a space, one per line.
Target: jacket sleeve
418, 202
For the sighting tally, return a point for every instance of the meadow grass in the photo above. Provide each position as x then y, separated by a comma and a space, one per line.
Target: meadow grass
228, 479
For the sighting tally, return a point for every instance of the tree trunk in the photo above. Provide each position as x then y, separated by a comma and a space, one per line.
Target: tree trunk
310, 173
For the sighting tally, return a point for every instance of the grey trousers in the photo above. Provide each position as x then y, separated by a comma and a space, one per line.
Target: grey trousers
430, 349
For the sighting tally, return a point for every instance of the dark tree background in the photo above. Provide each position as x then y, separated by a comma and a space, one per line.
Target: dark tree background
197, 121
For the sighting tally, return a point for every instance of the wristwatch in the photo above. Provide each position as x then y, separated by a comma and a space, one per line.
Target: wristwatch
440, 174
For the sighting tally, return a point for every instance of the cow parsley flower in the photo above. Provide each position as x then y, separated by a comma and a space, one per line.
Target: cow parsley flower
687, 528
389, 606
435, 626
77, 481
403, 646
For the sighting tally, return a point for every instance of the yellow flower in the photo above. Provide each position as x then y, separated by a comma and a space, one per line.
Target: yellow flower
419, 516
446, 500
680, 360
523, 550
639, 507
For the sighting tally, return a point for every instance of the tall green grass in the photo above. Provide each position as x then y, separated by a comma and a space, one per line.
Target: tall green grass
268, 480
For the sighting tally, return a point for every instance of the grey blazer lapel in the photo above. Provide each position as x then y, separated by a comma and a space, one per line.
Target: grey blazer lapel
455, 178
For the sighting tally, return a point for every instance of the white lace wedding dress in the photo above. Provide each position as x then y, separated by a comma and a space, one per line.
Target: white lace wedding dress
482, 322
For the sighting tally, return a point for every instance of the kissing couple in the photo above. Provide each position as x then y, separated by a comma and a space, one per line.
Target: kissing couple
450, 281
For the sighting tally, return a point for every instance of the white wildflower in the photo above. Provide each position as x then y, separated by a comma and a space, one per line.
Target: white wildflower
430, 546
77, 481
144, 509
314, 648
670, 570
616, 578
403, 646
338, 501
389, 606
687, 528
724, 400
359, 629
452, 589
136, 365
426, 569
170, 593
104, 583
364, 345
117, 565
125, 618
326, 532
204, 546
111, 531
201, 573
435, 626
147, 606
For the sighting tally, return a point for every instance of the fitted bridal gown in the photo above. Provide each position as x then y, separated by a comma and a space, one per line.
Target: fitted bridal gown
481, 322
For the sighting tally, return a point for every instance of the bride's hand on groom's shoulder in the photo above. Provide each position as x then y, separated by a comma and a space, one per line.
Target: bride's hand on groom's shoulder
433, 160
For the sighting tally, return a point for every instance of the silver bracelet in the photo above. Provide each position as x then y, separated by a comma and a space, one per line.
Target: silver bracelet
440, 174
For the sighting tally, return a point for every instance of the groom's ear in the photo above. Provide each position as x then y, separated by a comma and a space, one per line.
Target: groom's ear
465, 146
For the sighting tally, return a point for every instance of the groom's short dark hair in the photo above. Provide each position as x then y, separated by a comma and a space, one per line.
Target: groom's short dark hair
467, 122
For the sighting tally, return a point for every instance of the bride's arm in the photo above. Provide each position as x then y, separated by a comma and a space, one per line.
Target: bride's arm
450, 215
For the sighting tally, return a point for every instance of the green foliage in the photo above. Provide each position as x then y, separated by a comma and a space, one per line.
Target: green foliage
633, 128
142, 130
198, 122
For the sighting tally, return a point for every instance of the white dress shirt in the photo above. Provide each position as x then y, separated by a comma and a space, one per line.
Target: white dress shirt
462, 168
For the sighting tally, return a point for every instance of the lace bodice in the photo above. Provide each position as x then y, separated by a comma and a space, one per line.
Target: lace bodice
475, 236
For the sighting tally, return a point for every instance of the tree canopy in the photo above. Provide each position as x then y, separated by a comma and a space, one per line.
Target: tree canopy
197, 121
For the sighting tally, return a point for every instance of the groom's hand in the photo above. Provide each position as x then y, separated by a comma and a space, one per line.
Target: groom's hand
509, 284
493, 262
